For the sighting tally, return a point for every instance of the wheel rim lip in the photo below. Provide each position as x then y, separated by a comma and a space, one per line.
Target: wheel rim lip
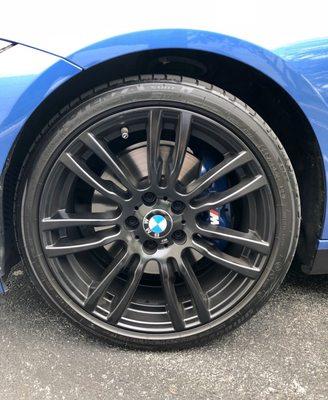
157, 335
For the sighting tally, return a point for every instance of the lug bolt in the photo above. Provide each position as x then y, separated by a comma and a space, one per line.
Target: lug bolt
132, 222
179, 236
149, 198
150, 245
178, 207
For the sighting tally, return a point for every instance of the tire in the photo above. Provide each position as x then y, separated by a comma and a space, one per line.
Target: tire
131, 284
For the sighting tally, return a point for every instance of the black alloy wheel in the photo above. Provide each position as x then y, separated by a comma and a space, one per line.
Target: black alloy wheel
161, 212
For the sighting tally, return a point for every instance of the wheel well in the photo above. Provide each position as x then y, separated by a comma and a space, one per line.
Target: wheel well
267, 98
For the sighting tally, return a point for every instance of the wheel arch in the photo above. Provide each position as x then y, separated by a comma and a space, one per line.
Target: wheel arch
279, 109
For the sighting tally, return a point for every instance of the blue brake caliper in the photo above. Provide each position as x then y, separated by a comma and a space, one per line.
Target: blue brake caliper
216, 216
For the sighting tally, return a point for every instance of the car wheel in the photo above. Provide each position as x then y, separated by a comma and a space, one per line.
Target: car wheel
157, 212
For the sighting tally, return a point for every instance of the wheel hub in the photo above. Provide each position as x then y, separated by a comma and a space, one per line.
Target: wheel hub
156, 227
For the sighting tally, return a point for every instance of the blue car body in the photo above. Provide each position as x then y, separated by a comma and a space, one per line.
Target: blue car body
301, 70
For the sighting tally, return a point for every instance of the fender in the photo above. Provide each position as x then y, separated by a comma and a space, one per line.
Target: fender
27, 77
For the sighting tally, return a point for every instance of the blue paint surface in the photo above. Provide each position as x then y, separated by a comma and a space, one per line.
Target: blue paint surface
21, 94
323, 245
309, 59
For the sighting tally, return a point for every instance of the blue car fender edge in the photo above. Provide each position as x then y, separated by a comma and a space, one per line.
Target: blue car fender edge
27, 77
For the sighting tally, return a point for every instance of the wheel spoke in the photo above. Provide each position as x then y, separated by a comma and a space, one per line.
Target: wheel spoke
153, 146
243, 188
80, 169
240, 265
62, 219
67, 246
173, 306
199, 297
124, 300
108, 157
119, 262
180, 148
250, 239
228, 165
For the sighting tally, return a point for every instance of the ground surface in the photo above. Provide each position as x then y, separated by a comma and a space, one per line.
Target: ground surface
282, 353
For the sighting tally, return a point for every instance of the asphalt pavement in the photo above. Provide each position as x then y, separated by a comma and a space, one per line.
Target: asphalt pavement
281, 353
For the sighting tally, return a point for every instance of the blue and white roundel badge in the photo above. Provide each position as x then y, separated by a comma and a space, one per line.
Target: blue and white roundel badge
157, 223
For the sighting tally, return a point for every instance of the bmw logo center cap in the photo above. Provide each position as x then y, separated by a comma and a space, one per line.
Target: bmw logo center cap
157, 223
